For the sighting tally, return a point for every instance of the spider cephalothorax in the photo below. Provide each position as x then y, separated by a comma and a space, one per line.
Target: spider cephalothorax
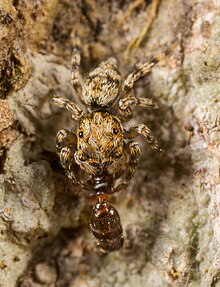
102, 148
99, 142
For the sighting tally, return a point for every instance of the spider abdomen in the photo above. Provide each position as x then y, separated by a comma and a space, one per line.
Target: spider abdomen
102, 85
106, 226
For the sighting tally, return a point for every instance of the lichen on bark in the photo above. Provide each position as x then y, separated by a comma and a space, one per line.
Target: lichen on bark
170, 212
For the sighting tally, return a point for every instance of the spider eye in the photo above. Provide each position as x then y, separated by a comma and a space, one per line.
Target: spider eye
115, 131
82, 158
80, 134
117, 156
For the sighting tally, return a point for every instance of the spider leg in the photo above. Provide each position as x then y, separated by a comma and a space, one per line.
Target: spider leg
134, 152
66, 147
140, 71
133, 149
124, 105
75, 63
65, 138
144, 131
76, 112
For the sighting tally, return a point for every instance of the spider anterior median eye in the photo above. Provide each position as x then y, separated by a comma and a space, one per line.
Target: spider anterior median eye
80, 134
115, 131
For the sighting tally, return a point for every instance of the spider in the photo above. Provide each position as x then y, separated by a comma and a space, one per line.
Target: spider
102, 157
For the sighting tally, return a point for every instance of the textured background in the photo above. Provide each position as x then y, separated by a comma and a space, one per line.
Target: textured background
170, 213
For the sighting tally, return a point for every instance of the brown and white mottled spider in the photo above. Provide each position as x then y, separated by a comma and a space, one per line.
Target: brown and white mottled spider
102, 157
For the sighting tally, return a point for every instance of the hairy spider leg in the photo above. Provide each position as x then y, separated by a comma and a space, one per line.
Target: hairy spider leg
134, 152
75, 63
140, 71
143, 130
66, 148
76, 112
125, 104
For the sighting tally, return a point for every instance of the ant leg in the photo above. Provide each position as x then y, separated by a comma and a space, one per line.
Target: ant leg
66, 147
76, 112
144, 131
75, 63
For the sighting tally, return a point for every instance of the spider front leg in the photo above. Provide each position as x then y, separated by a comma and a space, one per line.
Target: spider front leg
134, 151
144, 131
66, 147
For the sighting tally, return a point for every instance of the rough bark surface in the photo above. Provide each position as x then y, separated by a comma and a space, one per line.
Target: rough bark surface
170, 213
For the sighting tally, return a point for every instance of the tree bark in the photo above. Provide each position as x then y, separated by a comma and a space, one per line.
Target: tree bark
170, 212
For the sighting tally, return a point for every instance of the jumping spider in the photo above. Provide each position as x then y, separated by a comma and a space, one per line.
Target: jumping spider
101, 157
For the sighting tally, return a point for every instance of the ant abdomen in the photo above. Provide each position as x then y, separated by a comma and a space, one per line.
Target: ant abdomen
106, 226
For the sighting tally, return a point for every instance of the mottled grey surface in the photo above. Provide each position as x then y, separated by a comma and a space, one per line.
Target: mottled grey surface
170, 212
